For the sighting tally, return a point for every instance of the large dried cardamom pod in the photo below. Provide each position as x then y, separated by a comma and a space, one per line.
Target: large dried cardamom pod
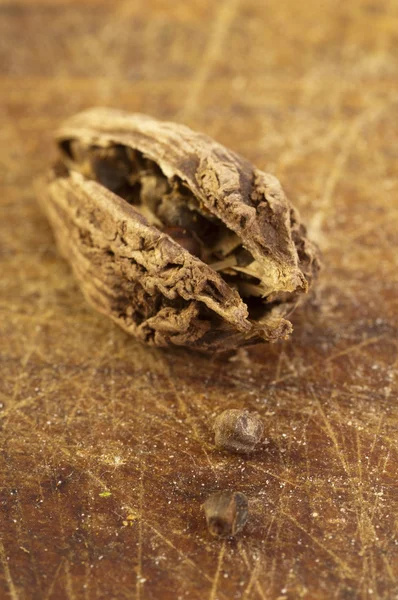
177, 239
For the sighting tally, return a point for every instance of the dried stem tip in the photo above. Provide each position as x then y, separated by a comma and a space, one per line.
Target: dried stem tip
226, 513
238, 430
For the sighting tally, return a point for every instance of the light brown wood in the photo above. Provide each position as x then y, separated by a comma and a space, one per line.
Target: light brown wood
107, 445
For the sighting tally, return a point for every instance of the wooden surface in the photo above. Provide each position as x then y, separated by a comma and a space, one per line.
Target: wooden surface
106, 445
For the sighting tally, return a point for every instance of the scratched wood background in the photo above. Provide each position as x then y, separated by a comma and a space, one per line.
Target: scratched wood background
106, 446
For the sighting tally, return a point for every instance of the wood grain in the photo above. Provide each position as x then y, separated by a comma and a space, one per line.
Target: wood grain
306, 91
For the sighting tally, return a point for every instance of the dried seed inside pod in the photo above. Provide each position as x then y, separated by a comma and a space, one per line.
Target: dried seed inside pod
226, 513
238, 430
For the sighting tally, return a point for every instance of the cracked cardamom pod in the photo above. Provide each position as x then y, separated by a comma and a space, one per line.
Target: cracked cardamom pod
177, 239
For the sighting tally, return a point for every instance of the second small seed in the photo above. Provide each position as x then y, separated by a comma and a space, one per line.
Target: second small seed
238, 430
